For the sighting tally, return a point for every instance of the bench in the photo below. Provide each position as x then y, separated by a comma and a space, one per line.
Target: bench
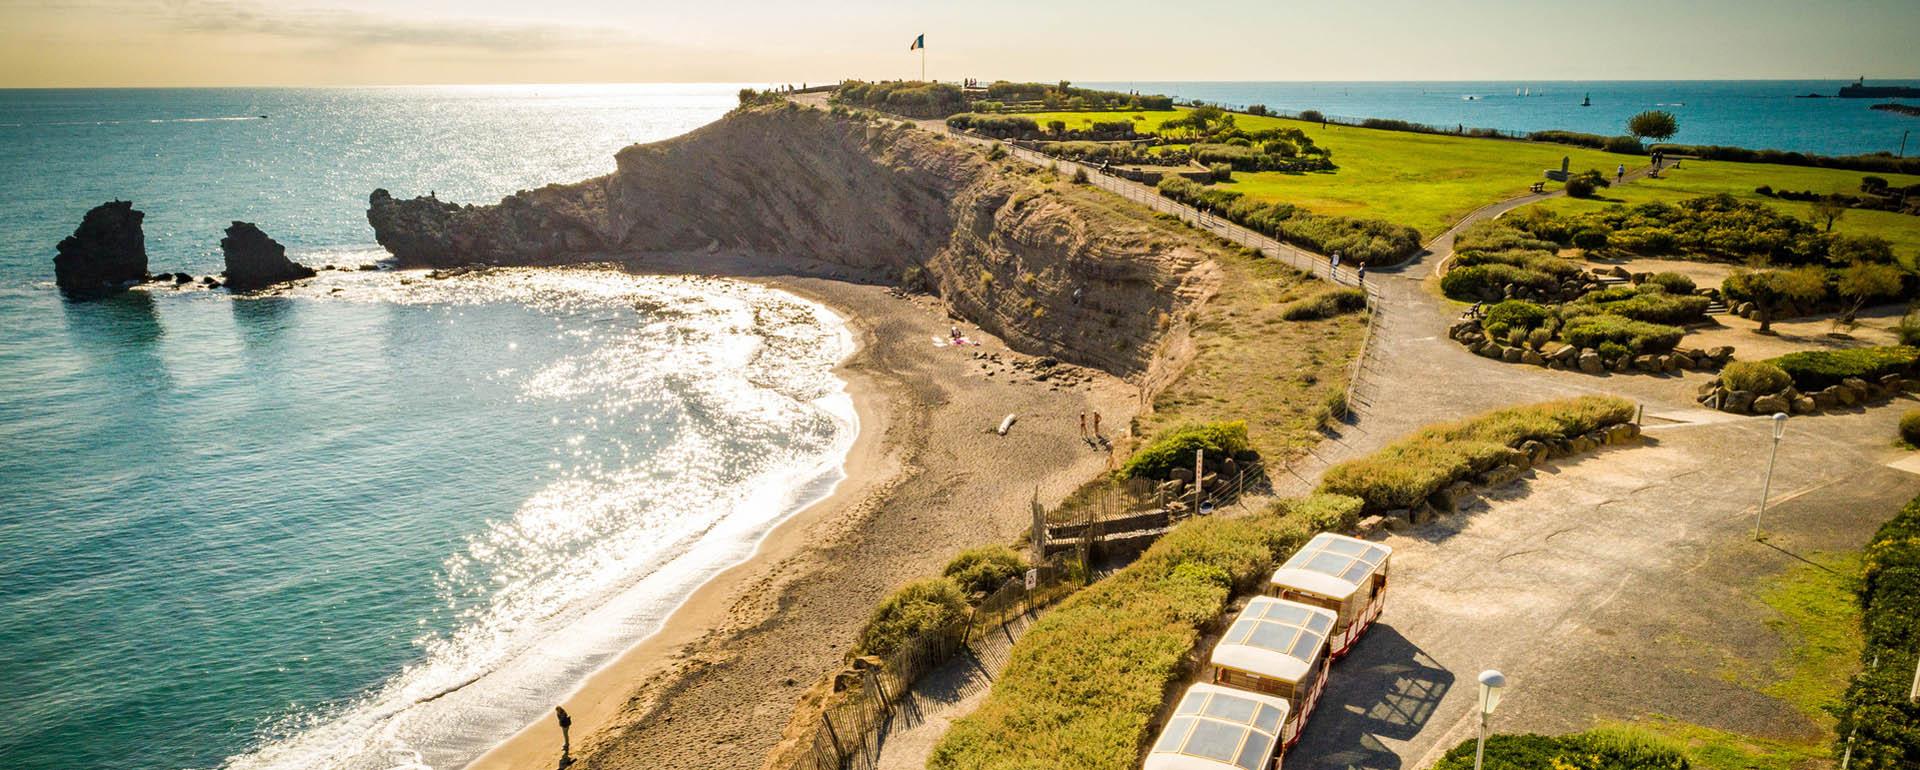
1538, 187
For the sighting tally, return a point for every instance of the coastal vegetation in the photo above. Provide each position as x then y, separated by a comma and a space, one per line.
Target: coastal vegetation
1603, 749
1407, 472
1082, 686
1653, 124
916, 609
1174, 449
1813, 370
1363, 241
1876, 720
922, 99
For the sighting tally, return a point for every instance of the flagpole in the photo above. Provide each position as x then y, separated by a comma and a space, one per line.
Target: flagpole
923, 62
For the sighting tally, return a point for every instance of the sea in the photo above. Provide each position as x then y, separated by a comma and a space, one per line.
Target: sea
1757, 114
383, 520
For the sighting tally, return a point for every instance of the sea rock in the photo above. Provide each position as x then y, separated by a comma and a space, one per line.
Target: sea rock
107, 252
255, 261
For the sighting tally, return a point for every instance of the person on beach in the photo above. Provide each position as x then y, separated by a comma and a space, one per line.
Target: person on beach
566, 739
1083, 426
1096, 425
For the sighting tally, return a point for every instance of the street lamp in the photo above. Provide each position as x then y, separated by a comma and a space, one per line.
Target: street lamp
1779, 429
1491, 683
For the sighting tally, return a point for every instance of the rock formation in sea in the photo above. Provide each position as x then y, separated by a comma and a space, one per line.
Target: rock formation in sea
255, 261
1051, 267
105, 254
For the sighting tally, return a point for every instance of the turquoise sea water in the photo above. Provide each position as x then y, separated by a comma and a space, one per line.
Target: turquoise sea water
1760, 114
381, 521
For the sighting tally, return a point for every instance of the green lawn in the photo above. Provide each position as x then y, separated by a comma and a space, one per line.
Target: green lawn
1424, 181
1695, 178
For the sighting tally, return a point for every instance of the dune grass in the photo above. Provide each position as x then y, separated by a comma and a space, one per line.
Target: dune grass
1081, 688
1424, 181
1252, 364
1696, 178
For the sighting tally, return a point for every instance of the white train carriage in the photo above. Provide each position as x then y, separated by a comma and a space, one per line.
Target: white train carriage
1343, 574
1279, 648
1220, 728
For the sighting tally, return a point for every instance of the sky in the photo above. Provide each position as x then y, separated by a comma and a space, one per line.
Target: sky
83, 43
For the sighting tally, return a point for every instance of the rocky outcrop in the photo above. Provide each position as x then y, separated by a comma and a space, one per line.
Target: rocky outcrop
105, 254
1053, 268
255, 261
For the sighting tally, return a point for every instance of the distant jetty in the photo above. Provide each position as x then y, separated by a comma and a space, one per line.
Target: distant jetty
1895, 107
1859, 89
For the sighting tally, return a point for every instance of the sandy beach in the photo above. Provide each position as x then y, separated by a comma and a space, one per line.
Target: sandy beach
926, 477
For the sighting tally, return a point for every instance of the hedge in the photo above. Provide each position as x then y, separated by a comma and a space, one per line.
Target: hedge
1408, 471
1813, 370
1596, 750
1175, 448
1326, 303
1650, 303
1081, 689
1755, 377
1488, 282
1876, 702
997, 126
1517, 313
1639, 337
904, 97
1361, 241
1874, 162
984, 569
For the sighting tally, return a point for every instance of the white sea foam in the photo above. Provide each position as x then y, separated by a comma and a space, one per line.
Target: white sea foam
756, 427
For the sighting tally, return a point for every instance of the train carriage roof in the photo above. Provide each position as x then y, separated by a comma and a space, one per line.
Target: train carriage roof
1219, 728
1274, 638
1334, 566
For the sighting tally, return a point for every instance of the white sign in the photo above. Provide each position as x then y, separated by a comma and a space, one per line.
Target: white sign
1033, 579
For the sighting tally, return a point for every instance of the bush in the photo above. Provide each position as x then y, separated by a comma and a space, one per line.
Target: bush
983, 570
1908, 330
1488, 282
1910, 428
1875, 712
1312, 116
1612, 351
1813, 370
1517, 313
1361, 241
1408, 471
1320, 512
1580, 187
1757, 377
1596, 750
1325, 303
904, 97
1175, 448
916, 609
1639, 337
1673, 283
1652, 305
1082, 687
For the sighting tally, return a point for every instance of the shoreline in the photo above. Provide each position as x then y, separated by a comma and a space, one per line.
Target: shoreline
597, 699
624, 701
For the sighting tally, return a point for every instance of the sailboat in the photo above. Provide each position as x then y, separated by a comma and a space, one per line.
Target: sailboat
1586, 101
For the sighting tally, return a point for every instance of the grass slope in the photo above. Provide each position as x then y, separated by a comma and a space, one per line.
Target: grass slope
1696, 178
1252, 364
1423, 181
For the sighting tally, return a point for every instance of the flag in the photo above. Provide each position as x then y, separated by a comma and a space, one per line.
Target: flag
918, 43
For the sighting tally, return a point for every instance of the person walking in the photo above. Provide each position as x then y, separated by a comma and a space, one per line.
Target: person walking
1336, 265
1083, 426
1620, 174
1361, 273
566, 740
1096, 425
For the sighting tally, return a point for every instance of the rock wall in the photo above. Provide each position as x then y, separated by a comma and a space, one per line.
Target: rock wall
1051, 267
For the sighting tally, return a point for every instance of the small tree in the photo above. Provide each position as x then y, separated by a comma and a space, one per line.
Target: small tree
1828, 210
1771, 291
1653, 124
1863, 281
1057, 126
1205, 116
1590, 240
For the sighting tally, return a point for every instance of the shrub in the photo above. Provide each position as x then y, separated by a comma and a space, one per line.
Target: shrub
1652, 306
1908, 330
1079, 174
1362, 241
1517, 313
1312, 116
1579, 187
1910, 428
1813, 370
1222, 172
1538, 338
1325, 303
1673, 283
1408, 471
917, 608
1082, 687
905, 97
1488, 282
1640, 337
1175, 448
1321, 512
1596, 750
1755, 376
1875, 713
1612, 351
1591, 238
983, 570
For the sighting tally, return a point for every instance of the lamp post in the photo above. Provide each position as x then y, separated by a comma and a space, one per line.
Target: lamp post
1779, 429
1491, 683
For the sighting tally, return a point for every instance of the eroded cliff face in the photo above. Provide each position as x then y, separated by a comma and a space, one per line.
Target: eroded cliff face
1051, 267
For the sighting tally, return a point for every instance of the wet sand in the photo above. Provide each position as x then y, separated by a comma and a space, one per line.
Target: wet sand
926, 478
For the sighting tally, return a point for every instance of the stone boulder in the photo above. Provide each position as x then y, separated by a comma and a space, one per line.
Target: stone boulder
106, 253
1772, 404
1590, 362
255, 261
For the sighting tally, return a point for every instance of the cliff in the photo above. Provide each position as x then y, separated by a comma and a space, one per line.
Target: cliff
1052, 267
106, 252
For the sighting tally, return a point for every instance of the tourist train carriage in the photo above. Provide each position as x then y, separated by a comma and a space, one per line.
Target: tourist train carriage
1344, 574
1279, 648
1218, 728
